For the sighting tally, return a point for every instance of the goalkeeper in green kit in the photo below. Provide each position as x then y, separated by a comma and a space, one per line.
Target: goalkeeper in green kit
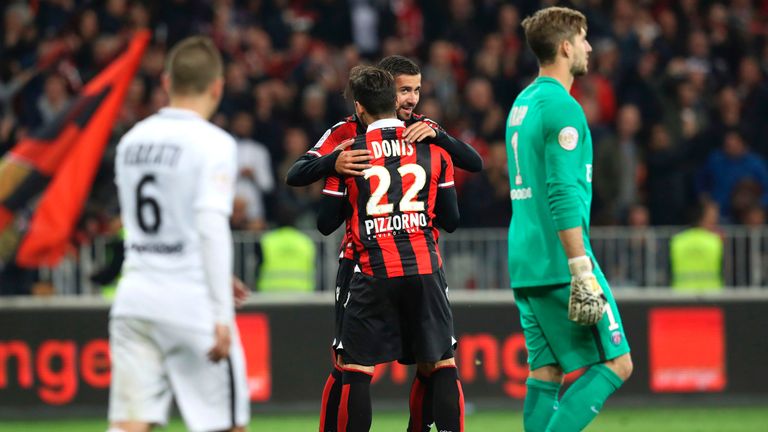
568, 314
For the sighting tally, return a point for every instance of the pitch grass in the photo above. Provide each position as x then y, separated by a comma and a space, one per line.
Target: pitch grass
742, 419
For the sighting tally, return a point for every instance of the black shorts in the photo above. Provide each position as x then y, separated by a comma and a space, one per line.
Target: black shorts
406, 318
343, 276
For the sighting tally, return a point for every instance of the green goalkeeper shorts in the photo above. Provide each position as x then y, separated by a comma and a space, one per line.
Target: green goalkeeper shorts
552, 339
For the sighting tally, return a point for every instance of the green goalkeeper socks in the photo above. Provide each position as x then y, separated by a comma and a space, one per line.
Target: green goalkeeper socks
584, 399
540, 403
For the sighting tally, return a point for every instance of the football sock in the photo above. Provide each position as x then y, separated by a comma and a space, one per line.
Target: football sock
447, 400
584, 399
329, 408
420, 404
355, 405
540, 404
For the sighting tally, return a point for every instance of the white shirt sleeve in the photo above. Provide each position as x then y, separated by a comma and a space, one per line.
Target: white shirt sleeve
217, 177
213, 206
216, 247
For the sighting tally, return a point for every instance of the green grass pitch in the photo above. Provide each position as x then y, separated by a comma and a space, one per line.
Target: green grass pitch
742, 419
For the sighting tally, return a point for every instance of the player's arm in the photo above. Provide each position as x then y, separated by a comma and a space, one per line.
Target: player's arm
310, 168
329, 156
462, 154
213, 207
446, 203
332, 205
562, 157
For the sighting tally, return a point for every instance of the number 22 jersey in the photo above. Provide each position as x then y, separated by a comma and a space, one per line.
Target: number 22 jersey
393, 204
168, 167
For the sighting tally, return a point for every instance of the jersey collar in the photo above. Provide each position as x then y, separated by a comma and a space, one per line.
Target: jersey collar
550, 80
179, 113
384, 123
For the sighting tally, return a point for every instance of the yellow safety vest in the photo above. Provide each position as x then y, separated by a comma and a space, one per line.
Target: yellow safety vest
696, 255
289, 261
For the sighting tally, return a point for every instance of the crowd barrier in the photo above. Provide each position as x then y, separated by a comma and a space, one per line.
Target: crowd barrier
54, 353
477, 258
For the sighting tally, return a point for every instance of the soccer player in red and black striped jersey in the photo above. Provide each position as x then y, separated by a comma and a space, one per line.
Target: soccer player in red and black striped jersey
398, 278
328, 157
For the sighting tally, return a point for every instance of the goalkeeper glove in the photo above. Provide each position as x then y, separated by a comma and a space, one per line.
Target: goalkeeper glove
587, 301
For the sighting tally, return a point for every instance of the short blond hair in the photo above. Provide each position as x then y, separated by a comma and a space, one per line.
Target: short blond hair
193, 64
549, 27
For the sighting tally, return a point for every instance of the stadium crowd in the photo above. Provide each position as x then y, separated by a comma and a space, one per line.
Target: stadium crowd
676, 94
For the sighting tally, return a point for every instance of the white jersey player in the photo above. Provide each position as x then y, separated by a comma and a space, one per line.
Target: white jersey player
172, 324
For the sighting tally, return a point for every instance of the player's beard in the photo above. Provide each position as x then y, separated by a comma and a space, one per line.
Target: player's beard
405, 114
580, 68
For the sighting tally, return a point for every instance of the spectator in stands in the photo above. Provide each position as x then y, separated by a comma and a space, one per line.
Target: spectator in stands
484, 199
239, 221
255, 179
666, 179
486, 117
439, 79
288, 257
314, 116
727, 167
638, 219
753, 91
302, 201
618, 164
280, 54
746, 195
640, 87
696, 254
726, 115
54, 98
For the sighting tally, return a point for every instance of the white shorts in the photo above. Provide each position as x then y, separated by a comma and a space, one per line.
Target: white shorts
150, 360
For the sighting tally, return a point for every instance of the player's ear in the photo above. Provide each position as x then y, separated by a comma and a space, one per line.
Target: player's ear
166, 82
359, 109
566, 48
217, 88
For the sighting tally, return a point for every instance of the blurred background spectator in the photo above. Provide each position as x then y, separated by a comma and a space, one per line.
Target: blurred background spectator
696, 254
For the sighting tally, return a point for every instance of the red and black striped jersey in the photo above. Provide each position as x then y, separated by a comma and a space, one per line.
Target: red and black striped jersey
393, 204
348, 128
351, 127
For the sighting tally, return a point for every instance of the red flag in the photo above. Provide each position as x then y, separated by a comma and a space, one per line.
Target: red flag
83, 140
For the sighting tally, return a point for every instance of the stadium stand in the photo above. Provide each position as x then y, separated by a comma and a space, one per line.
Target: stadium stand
672, 86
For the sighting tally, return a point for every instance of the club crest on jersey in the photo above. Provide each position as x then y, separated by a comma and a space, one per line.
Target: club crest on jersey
616, 337
568, 138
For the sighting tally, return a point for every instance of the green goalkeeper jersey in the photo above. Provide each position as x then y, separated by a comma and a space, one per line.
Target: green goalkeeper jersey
549, 154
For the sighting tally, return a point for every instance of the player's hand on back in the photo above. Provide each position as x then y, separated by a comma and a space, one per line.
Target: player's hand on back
222, 341
240, 291
352, 162
587, 301
419, 131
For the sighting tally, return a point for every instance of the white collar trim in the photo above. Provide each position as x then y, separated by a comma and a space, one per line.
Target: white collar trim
383, 123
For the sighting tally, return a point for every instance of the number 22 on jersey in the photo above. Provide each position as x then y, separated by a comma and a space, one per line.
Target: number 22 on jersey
374, 207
